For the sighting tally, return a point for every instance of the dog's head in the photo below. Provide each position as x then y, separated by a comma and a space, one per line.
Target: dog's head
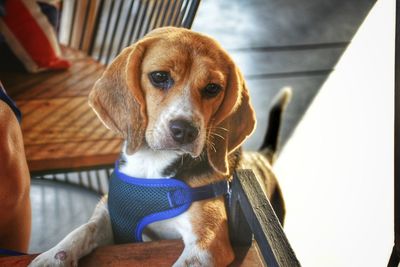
176, 90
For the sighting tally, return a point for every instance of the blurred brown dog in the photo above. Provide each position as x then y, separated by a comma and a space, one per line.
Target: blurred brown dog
15, 208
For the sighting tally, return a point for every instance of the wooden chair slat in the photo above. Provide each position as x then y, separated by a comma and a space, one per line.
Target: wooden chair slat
69, 155
257, 218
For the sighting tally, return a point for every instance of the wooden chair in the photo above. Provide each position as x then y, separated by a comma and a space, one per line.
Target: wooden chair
64, 139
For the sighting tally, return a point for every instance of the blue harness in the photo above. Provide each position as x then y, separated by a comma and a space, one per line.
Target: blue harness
10, 103
133, 203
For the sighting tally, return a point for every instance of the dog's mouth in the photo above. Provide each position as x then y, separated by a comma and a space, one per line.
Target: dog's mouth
194, 148
180, 150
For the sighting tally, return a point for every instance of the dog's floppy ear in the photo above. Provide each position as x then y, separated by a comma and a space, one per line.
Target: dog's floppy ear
233, 122
117, 97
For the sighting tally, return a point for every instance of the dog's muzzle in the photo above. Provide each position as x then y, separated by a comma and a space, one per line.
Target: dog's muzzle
183, 132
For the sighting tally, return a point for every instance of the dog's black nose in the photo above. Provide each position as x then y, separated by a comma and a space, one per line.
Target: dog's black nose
183, 132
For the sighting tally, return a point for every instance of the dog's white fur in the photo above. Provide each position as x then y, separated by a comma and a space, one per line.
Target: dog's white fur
147, 163
97, 232
157, 134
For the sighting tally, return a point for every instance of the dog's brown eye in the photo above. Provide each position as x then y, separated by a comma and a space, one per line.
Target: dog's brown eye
161, 79
211, 90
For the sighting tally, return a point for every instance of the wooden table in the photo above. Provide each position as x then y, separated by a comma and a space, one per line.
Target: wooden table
60, 130
160, 253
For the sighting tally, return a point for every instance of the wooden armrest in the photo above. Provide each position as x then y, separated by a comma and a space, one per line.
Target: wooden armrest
159, 253
252, 216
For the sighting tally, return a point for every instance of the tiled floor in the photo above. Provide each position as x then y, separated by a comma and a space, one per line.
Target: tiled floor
275, 43
57, 208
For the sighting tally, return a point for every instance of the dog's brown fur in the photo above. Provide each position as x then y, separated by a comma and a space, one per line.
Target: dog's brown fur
127, 103
15, 209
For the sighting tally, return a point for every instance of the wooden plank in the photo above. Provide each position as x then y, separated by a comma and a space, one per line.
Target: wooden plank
60, 130
64, 133
397, 131
239, 230
61, 120
142, 254
260, 23
42, 111
262, 220
72, 155
260, 62
78, 23
89, 33
159, 253
47, 165
70, 86
395, 256
60, 83
17, 83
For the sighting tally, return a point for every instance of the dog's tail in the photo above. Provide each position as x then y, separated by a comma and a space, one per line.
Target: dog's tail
271, 141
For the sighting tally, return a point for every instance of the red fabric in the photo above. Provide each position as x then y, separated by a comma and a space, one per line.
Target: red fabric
31, 37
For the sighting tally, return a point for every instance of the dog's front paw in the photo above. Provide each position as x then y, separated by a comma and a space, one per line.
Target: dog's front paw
192, 262
55, 257
194, 258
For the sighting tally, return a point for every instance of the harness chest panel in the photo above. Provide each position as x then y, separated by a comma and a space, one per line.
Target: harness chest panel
134, 203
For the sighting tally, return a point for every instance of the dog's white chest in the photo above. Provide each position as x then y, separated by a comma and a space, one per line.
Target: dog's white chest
174, 228
147, 163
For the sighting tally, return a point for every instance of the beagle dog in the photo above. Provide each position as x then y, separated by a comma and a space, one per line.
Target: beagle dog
183, 108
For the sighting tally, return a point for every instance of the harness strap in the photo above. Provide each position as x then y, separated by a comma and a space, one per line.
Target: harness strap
182, 196
9, 252
10, 103
135, 202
